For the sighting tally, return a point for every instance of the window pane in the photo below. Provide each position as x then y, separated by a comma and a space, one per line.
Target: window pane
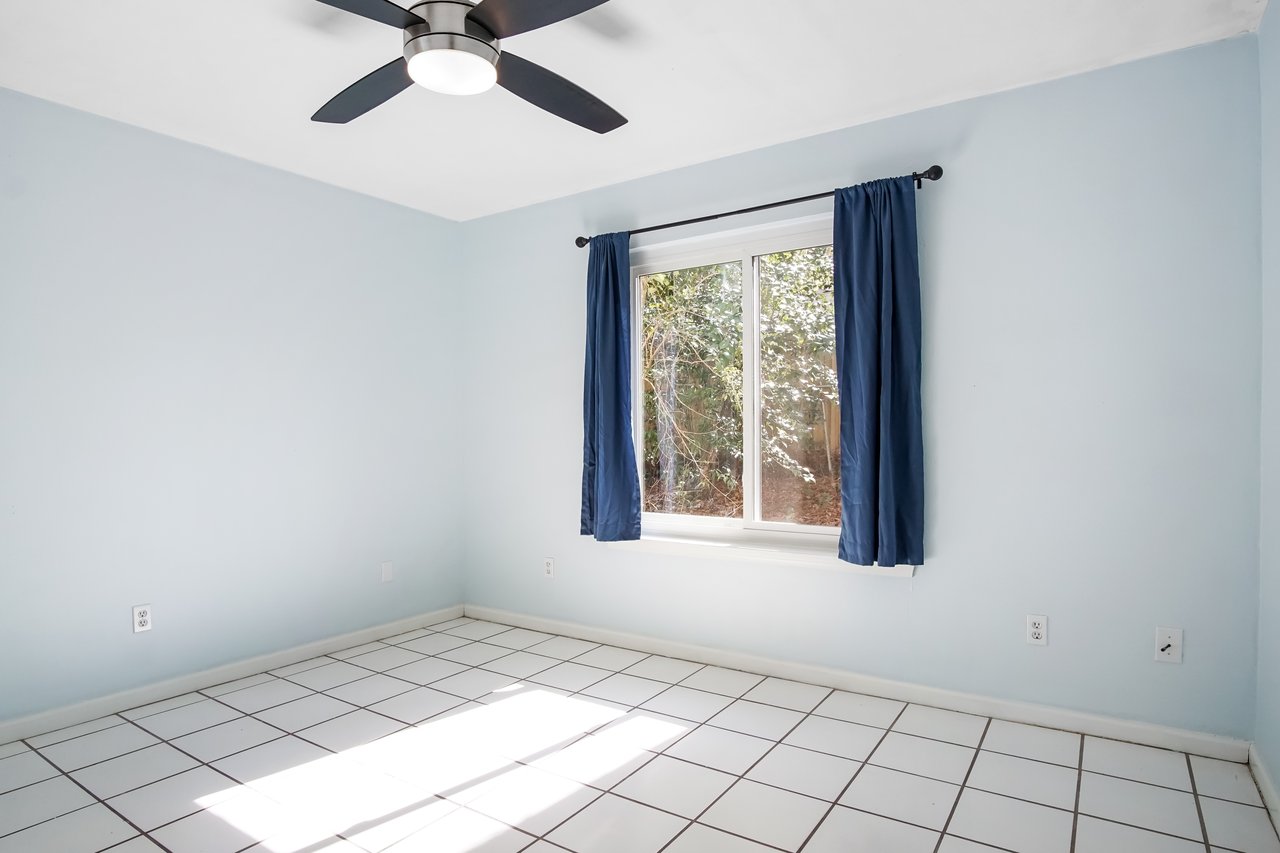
691, 341
799, 405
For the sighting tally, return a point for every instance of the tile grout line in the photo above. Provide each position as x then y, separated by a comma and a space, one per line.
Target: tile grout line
1204, 829
52, 744
963, 784
980, 843
198, 696
1075, 811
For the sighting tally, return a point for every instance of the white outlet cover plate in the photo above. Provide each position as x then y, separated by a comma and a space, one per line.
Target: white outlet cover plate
143, 618
1168, 644
1037, 630
548, 567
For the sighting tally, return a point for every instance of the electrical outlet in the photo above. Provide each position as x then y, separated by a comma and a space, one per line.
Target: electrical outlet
1168, 644
142, 618
1038, 630
548, 567
387, 572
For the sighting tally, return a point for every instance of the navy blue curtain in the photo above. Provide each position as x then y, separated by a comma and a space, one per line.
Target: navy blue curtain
610, 482
877, 284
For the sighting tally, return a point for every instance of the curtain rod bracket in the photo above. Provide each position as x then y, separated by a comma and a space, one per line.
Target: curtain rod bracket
932, 173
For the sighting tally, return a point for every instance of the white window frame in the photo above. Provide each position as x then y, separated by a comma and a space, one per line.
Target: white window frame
747, 537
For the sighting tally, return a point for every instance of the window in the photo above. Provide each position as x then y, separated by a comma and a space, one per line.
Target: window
736, 406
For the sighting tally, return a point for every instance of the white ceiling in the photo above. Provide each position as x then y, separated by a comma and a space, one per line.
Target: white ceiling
698, 79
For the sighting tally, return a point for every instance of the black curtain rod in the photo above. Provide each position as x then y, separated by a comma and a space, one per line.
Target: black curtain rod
932, 173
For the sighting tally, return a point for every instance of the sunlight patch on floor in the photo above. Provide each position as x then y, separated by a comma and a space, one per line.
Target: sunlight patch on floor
451, 784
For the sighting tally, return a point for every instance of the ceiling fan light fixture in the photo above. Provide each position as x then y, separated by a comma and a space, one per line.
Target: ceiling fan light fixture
454, 47
452, 72
447, 53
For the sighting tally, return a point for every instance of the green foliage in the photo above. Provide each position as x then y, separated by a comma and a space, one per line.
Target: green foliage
797, 343
692, 346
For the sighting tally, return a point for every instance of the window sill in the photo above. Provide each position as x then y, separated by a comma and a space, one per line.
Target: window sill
818, 552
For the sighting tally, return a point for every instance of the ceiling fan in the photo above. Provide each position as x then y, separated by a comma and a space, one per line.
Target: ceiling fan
454, 47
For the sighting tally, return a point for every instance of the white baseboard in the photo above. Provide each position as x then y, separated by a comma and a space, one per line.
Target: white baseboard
70, 715
1266, 784
1150, 734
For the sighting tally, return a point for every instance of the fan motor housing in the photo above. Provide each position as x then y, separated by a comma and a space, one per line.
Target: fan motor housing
447, 27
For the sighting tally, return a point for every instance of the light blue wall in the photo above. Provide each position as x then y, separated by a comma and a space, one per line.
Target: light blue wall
1091, 306
224, 390
1268, 715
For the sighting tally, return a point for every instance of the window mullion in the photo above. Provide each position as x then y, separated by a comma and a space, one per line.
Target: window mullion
637, 379
750, 392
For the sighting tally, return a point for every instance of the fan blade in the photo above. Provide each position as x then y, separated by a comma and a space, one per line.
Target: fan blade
382, 11
369, 91
555, 94
506, 18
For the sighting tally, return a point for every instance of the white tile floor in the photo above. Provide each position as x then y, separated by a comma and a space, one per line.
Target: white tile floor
472, 736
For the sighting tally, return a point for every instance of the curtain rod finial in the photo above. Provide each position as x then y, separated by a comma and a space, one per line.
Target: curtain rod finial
581, 242
932, 173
